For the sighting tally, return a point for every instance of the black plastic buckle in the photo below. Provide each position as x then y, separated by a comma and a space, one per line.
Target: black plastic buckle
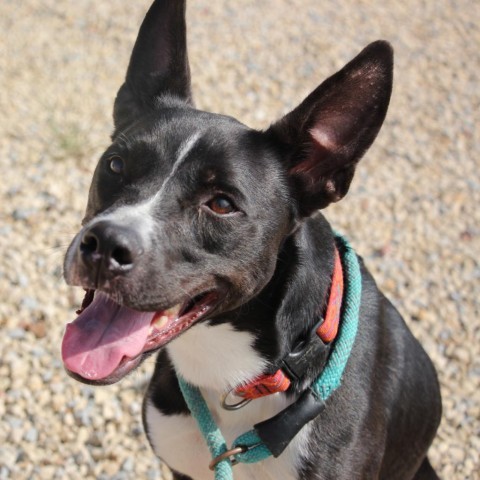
277, 432
311, 351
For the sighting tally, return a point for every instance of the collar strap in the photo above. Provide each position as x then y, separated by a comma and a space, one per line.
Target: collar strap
264, 385
314, 350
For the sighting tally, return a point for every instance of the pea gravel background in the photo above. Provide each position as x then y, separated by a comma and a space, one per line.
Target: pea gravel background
412, 212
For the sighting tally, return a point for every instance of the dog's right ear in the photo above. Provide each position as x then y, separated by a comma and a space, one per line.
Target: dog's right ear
158, 67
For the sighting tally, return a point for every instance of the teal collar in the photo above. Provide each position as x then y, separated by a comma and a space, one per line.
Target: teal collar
259, 443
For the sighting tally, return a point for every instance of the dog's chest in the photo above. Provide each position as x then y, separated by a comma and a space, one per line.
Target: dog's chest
178, 442
213, 358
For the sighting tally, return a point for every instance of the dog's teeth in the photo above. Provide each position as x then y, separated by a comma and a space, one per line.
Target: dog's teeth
161, 321
164, 317
173, 311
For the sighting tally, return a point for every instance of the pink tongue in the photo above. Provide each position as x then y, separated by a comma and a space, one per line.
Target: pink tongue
102, 335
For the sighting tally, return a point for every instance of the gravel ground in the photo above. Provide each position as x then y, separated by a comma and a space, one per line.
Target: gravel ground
412, 211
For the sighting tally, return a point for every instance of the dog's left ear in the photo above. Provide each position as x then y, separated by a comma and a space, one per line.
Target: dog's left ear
327, 134
158, 70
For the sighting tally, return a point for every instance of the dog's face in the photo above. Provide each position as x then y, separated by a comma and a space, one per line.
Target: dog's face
180, 206
188, 210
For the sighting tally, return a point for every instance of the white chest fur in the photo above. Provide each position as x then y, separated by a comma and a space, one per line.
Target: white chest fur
214, 358
178, 442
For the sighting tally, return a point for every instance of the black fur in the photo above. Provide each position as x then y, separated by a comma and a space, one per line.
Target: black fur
271, 258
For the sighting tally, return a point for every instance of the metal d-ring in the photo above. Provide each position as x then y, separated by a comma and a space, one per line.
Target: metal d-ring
234, 406
228, 454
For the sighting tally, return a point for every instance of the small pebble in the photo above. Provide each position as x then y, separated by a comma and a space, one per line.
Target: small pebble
16, 333
31, 435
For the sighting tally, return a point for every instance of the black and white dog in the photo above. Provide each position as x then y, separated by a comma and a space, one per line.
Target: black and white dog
202, 243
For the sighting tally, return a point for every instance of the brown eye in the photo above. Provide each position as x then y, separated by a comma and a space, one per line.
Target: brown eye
221, 205
117, 165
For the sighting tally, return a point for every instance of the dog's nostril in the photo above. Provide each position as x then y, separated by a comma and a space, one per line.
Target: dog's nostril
123, 256
89, 243
107, 247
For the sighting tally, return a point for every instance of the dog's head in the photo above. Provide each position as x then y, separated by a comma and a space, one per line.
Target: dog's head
188, 210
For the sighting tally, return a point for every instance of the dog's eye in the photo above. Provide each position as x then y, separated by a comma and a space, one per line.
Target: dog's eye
221, 205
116, 164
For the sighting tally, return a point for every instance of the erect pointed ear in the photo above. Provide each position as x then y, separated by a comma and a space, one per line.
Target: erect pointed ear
327, 134
158, 66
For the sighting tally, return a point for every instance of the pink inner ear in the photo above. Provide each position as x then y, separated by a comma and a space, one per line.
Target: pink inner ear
324, 137
324, 143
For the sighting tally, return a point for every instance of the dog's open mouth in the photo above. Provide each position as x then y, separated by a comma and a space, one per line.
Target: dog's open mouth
107, 340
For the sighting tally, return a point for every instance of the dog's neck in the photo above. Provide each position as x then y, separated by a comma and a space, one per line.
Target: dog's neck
250, 341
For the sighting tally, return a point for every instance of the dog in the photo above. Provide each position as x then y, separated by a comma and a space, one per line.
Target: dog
203, 243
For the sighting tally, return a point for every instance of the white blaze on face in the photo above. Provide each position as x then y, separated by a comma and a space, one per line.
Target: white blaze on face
182, 153
140, 215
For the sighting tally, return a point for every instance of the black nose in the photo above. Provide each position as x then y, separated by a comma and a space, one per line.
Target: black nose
110, 249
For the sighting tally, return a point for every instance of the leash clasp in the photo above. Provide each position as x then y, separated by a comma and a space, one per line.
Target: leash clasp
230, 454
